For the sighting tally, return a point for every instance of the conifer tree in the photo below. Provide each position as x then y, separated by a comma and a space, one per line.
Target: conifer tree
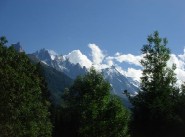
154, 106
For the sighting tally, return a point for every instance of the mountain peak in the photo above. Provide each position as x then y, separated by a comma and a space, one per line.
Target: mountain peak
112, 70
45, 54
18, 47
52, 54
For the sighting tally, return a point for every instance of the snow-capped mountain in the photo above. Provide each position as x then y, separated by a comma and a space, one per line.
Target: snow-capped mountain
72, 66
119, 82
60, 63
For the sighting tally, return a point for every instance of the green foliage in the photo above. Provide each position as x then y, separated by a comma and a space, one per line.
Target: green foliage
23, 104
154, 107
91, 111
56, 81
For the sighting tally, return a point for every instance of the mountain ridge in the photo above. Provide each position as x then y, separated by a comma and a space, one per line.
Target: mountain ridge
60, 72
118, 81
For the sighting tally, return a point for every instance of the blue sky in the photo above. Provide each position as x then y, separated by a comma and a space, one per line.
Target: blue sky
115, 26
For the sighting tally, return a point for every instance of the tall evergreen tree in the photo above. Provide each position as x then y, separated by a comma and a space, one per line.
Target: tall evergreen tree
23, 104
154, 106
92, 111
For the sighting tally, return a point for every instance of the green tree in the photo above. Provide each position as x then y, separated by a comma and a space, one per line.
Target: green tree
154, 106
92, 111
180, 110
23, 104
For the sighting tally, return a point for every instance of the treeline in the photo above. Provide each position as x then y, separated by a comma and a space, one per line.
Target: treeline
88, 109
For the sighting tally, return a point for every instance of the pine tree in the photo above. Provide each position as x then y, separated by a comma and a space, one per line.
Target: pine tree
92, 111
154, 106
23, 107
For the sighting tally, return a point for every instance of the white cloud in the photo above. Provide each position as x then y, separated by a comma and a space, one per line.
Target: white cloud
179, 61
180, 75
97, 54
132, 59
77, 57
99, 67
176, 60
134, 73
100, 61
109, 61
